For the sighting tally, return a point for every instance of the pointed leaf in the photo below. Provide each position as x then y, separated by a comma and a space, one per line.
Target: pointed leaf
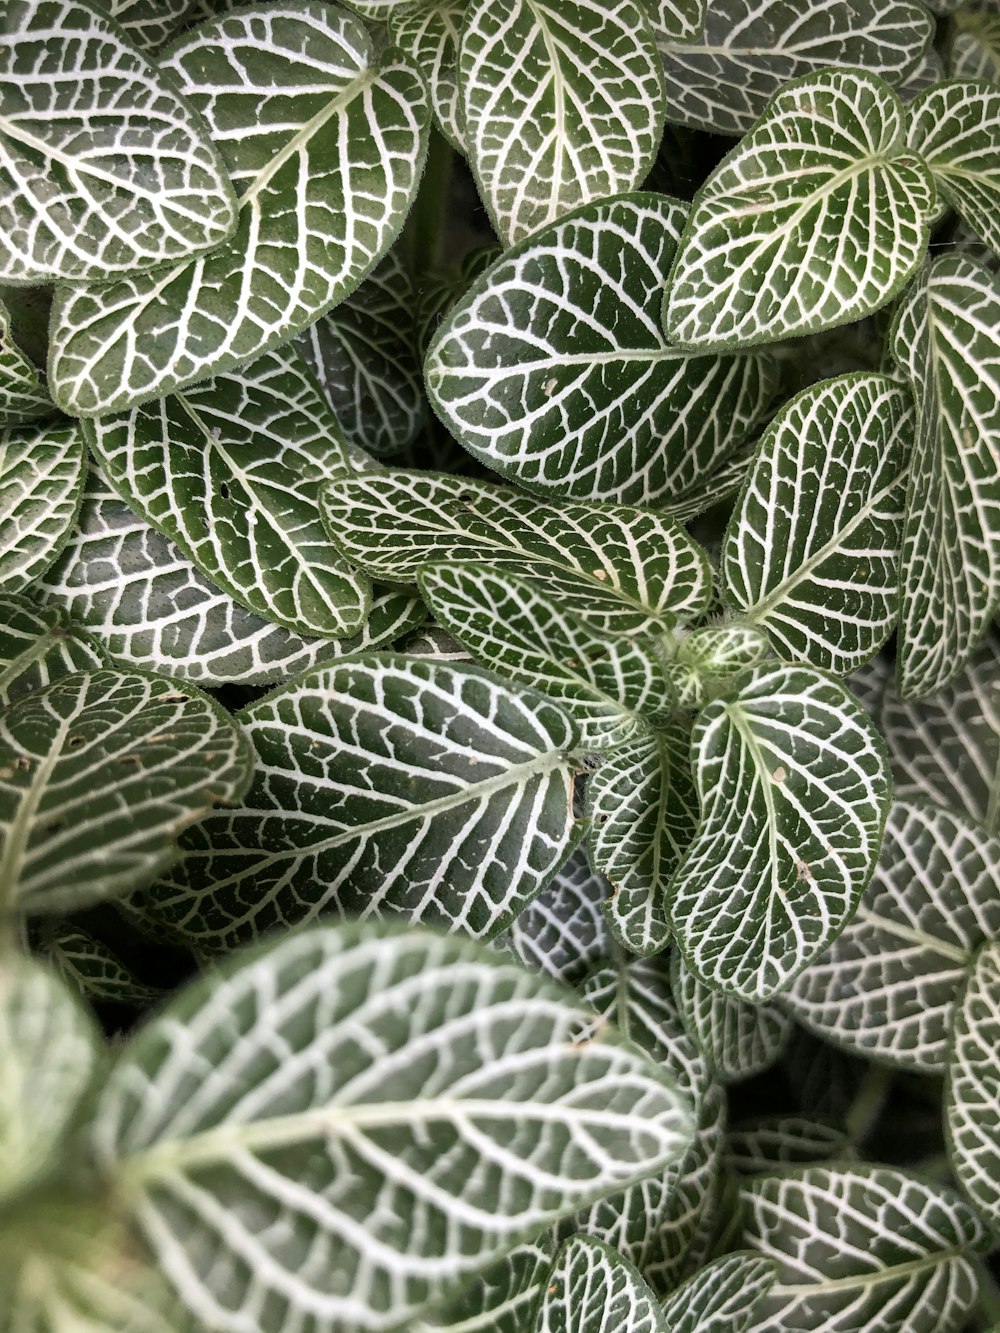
721, 1297
945, 338
794, 789
739, 1039
38, 644
625, 570
99, 773
93, 970
955, 127
23, 397
972, 1104
812, 549
503, 1298
592, 1289
429, 31
324, 146
765, 1144
787, 235
41, 480
435, 1053
553, 369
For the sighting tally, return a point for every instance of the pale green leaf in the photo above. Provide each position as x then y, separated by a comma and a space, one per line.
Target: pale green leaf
23, 396
325, 148
229, 470
104, 168
429, 32
928, 71
503, 1298
99, 773
886, 987
41, 481
945, 337
383, 1141
624, 570
38, 644
148, 23
812, 549
789, 235
955, 127
975, 47
794, 789
860, 1249
721, 1297
739, 1039
675, 20
593, 1289
93, 970
972, 1100
554, 371
562, 933
768, 1143
561, 102
707, 658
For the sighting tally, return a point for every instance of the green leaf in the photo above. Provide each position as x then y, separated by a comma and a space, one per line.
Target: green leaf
23, 396
972, 1100
48, 1058
643, 813
105, 169
946, 341
592, 1289
675, 21
553, 369
861, 1248
384, 786
886, 987
708, 658
93, 970
41, 480
746, 50
812, 549
975, 47
607, 686
624, 570
502, 1299
393, 1171
767, 1143
37, 646
722, 1297
739, 1039
148, 23
794, 789
561, 102
955, 127
788, 235
229, 470
325, 148
99, 773
429, 31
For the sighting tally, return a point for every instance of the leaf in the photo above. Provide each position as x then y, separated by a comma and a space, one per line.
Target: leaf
148, 23
23, 396
99, 773
721, 1297
39, 1097
767, 1143
708, 658
37, 646
324, 146
626, 571
944, 338
229, 470
794, 788
812, 548
592, 1289
676, 20
105, 169
394, 1168
429, 31
502, 1299
607, 686
41, 479
972, 1099
975, 47
553, 370
561, 103
861, 1248
886, 988
748, 49
787, 235
955, 127
643, 812
739, 1039
93, 970
385, 786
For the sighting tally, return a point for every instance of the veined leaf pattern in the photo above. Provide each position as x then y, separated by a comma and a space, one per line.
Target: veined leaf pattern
429, 31
38, 644
562, 933
93, 970
955, 127
41, 481
593, 1289
675, 20
149, 23
975, 47
765, 1144
23, 397
739, 1039
501, 1299
972, 1103
721, 1297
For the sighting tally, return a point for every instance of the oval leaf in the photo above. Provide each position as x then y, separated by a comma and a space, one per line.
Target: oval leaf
37, 646
721, 1297
739, 1039
23, 397
972, 1100
93, 970
592, 1289
562, 933
429, 31
41, 481
955, 127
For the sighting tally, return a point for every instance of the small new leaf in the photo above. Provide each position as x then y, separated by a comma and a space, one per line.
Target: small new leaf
955, 127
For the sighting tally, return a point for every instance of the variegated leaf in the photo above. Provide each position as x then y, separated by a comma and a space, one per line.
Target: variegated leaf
39, 644
41, 481
624, 570
812, 549
591, 1288
501, 1299
554, 371
945, 337
385, 786
561, 103
708, 658
93, 970
768, 1143
23, 396
429, 31
975, 46
721, 1297
739, 1039
325, 147
955, 127
794, 789
608, 686
229, 470
972, 1100
675, 20
788, 235
149, 23
861, 1248
433, 1054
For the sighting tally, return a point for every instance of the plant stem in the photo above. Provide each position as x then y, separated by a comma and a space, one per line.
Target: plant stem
425, 226
868, 1103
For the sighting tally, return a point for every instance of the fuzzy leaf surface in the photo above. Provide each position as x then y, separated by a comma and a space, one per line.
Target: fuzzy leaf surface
429, 32
23, 397
592, 1289
955, 127
41, 480
972, 1100
562, 933
721, 1297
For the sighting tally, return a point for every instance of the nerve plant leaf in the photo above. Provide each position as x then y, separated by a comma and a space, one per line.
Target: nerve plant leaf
955, 127
229, 471
887, 986
975, 46
23, 397
562, 933
738, 1039
501, 1299
561, 102
41, 481
429, 32
149, 23
38, 644
99, 773
794, 789
945, 337
788, 235
93, 970
972, 1104
765, 1144
324, 145
812, 549
862, 1248
385, 786
624, 570
721, 1297
435, 1057
592, 1289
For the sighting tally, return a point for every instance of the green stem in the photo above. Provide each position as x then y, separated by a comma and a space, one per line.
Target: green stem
426, 225
988, 1302
868, 1103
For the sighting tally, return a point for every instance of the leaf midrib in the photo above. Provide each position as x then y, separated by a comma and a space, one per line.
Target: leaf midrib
891, 1274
